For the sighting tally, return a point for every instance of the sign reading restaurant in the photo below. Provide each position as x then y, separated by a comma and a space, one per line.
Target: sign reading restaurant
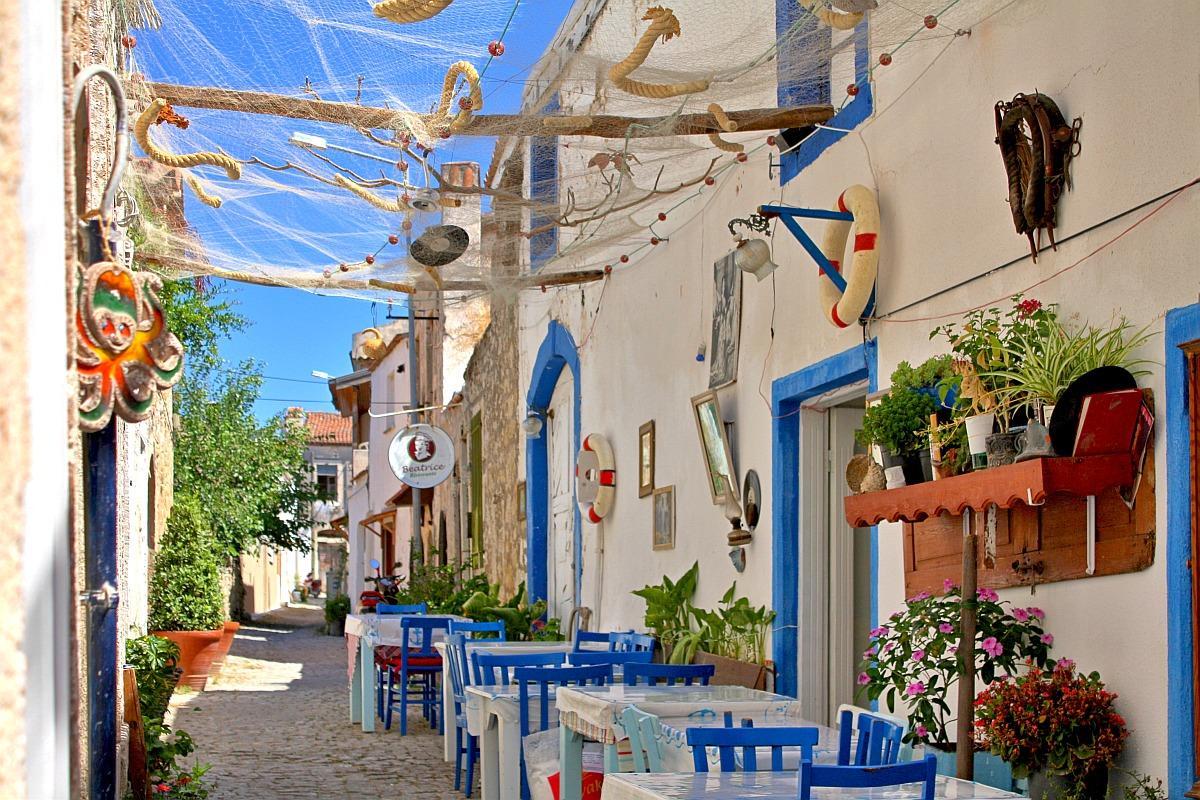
422, 456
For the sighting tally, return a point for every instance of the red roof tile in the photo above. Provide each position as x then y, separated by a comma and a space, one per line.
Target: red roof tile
325, 427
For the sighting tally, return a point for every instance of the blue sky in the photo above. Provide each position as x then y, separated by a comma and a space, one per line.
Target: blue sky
295, 332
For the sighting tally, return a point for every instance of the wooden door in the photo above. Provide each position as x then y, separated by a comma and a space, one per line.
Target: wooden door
845, 576
560, 551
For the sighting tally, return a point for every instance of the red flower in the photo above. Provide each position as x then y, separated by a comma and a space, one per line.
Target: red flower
1028, 307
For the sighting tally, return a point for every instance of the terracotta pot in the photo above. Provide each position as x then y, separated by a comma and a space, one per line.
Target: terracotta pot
731, 672
196, 649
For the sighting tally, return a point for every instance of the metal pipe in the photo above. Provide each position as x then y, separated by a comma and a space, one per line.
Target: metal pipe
416, 547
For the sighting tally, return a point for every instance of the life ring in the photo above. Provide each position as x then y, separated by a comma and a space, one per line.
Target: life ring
595, 478
843, 308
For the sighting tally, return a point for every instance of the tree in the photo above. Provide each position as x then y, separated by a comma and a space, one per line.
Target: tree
185, 590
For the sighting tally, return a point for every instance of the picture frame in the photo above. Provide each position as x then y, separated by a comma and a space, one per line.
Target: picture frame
646, 459
521, 501
726, 323
714, 447
663, 519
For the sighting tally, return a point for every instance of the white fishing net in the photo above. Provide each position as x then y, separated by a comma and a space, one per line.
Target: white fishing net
331, 207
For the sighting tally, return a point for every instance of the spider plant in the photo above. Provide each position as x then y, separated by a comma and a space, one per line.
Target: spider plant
1045, 365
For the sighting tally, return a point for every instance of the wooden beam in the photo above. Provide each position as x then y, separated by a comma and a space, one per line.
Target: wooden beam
600, 125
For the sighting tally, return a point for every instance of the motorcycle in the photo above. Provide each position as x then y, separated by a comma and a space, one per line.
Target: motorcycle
385, 591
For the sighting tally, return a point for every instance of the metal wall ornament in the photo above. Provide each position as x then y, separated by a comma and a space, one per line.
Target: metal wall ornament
124, 352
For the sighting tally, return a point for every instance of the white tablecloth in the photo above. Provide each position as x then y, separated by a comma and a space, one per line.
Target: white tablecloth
677, 755
385, 630
772, 786
595, 711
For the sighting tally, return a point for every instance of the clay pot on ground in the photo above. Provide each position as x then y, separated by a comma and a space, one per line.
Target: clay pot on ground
731, 672
196, 651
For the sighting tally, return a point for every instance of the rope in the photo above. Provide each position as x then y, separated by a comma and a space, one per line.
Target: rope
834, 19
395, 206
728, 126
141, 131
406, 11
210, 200
442, 116
663, 23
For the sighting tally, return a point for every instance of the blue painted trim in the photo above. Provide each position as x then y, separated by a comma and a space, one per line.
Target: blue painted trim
787, 394
1183, 326
543, 181
851, 115
557, 351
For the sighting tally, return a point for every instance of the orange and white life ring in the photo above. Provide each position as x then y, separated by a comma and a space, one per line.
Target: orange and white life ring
595, 478
843, 308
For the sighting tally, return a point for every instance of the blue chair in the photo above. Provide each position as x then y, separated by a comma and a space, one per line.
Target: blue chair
669, 673
879, 740
643, 732
595, 637
417, 670
583, 658
633, 642
543, 678
473, 628
749, 739
464, 742
493, 669
869, 776
402, 608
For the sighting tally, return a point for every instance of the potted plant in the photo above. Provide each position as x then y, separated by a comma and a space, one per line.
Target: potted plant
185, 589
1054, 727
336, 609
668, 608
899, 424
913, 659
935, 377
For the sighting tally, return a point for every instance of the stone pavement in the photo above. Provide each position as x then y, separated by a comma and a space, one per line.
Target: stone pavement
274, 724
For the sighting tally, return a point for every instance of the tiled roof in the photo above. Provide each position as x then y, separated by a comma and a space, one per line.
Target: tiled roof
325, 427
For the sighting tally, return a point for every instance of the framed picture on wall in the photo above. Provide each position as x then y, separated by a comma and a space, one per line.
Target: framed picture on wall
714, 444
646, 459
521, 501
726, 323
664, 518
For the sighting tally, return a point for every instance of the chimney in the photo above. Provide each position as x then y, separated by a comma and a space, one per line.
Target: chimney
461, 173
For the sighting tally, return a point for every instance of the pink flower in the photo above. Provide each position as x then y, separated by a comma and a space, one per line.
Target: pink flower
921, 731
1064, 664
1035, 612
887, 648
863, 679
987, 595
992, 647
952, 649
1020, 614
880, 631
1047, 639
919, 596
915, 688
918, 655
949, 585
870, 651
946, 627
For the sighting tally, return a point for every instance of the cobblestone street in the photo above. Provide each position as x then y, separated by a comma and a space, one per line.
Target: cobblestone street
274, 724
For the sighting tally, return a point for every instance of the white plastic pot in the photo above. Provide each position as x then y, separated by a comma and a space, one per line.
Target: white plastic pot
979, 427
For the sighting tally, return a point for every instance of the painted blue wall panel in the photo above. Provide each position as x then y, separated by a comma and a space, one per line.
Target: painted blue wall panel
543, 179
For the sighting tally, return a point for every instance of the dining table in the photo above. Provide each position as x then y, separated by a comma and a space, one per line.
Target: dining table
594, 713
774, 786
494, 716
676, 753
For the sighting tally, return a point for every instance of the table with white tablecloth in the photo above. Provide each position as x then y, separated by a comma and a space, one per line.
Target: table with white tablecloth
677, 754
494, 715
774, 786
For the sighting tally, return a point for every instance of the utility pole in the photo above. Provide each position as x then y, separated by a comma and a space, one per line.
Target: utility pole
417, 546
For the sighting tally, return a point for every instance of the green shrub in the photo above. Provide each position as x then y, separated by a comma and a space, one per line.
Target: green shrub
899, 423
153, 658
336, 608
185, 590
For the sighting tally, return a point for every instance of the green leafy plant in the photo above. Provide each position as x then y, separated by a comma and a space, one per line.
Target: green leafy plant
1058, 722
522, 621
668, 607
185, 589
443, 587
932, 373
336, 608
914, 656
154, 660
186, 784
899, 422
1143, 787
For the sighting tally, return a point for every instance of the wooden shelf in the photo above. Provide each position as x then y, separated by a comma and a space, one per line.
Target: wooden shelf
1028, 483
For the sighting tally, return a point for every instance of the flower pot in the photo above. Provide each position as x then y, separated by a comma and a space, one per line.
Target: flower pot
979, 427
1001, 448
1095, 785
990, 770
916, 466
196, 650
731, 672
926, 464
337, 627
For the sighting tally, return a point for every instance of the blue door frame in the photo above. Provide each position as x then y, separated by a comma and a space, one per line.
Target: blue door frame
1183, 326
557, 351
787, 395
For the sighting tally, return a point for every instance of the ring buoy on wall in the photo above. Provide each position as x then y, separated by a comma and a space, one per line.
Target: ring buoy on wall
595, 478
844, 308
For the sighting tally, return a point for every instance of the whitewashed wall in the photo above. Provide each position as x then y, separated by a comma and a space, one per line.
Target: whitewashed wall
942, 191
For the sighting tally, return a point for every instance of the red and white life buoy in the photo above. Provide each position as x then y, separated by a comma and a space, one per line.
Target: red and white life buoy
844, 308
595, 478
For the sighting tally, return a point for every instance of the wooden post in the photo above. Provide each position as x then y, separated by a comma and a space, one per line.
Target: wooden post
966, 655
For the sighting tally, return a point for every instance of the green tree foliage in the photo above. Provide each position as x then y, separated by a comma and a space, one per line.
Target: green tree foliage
185, 589
250, 478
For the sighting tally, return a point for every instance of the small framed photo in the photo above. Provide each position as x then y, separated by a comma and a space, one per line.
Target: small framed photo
646, 459
521, 501
664, 518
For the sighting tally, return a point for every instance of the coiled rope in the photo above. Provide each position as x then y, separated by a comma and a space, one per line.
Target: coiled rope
141, 131
662, 24
406, 11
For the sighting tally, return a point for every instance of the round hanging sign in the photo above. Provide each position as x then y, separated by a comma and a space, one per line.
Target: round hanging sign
422, 456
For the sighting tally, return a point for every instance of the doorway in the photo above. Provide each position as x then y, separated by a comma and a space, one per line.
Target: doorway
560, 566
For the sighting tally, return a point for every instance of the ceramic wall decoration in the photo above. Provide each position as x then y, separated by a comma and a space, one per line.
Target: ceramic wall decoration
751, 500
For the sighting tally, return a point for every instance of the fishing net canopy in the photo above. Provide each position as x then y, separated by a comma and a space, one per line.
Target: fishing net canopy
312, 140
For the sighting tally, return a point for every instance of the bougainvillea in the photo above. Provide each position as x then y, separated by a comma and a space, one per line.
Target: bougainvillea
1056, 721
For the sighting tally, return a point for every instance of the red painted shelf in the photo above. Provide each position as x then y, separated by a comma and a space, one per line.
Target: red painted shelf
1026, 483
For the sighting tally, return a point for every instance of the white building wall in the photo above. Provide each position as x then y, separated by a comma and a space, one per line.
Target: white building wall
929, 151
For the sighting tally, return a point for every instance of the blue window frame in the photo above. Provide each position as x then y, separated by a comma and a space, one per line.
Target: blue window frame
543, 182
809, 34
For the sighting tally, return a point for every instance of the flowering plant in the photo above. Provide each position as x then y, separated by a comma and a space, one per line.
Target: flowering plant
1057, 721
182, 785
914, 657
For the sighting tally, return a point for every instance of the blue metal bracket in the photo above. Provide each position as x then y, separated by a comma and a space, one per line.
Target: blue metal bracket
788, 215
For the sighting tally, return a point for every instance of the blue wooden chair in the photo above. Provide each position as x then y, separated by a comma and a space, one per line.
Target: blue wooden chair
385, 654
726, 740
633, 643
543, 678
583, 658
417, 671
879, 740
402, 608
464, 742
473, 629
669, 674
594, 637
643, 732
864, 777
493, 669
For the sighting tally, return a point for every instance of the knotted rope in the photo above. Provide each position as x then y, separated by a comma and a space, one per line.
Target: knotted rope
141, 131
405, 11
663, 23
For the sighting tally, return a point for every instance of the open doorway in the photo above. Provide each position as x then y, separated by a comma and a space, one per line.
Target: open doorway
560, 552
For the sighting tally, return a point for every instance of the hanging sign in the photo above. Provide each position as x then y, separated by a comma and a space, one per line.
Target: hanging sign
422, 456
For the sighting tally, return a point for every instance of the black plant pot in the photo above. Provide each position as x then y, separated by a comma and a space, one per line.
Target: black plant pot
916, 466
926, 464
